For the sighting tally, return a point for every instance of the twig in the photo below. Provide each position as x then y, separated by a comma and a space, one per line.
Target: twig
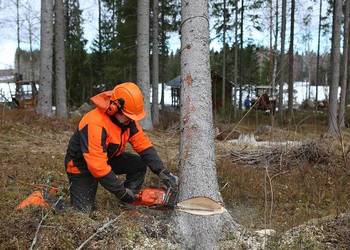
99, 230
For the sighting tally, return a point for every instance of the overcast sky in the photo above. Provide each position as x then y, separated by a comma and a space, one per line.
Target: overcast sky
30, 9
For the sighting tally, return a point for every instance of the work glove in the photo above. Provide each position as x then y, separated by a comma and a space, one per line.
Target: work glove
168, 179
128, 196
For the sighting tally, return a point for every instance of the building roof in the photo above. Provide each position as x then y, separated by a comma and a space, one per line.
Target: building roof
176, 82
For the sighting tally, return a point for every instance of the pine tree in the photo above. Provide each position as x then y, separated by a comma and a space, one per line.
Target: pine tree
46, 52
60, 63
335, 65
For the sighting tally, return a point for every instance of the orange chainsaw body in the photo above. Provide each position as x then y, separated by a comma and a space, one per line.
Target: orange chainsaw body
151, 197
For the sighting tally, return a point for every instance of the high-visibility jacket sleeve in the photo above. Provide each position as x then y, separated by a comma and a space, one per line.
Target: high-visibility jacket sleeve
111, 183
138, 139
93, 143
150, 158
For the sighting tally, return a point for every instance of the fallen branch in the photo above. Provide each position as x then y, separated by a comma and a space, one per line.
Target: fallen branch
104, 226
281, 157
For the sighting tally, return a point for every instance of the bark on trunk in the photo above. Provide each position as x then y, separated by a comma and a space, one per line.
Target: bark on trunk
274, 71
341, 115
224, 61
318, 51
282, 61
333, 89
155, 68
348, 84
291, 61
241, 59
46, 38
197, 159
143, 71
18, 41
236, 62
60, 62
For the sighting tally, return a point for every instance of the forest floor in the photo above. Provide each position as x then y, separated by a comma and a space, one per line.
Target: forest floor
300, 190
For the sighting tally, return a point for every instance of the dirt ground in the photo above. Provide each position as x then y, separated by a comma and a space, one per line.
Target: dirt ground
307, 203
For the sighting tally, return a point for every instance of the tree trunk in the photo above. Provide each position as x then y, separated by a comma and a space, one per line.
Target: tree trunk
197, 164
143, 71
274, 72
241, 59
333, 88
341, 115
236, 62
155, 68
60, 62
224, 61
318, 51
291, 61
30, 31
282, 60
18, 43
348, 84
46, 38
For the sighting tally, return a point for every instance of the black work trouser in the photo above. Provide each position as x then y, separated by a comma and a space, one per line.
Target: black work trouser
83, 187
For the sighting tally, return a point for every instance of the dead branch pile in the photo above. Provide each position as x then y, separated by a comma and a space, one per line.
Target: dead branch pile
286, 156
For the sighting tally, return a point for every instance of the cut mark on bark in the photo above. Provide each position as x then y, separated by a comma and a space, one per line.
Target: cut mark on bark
200, 206
189, 79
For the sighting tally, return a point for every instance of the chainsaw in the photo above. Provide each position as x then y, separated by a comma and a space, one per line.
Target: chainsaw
158, 198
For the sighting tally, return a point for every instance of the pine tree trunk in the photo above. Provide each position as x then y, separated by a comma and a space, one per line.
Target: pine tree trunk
318, 51
163, 52
60, 62
143, 71
30, 31
18, 42
236, 62
46, 46
274, 72
291, 61
282, 60
197, 164
155, 68
241, 59
348, 84
333, 88
224, 61
341, 115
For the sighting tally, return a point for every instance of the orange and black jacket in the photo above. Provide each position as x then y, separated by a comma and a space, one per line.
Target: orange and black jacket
100, 137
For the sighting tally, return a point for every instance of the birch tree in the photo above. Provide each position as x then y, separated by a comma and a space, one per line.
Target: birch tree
155, 68
143, 70
46, 38
335, 67
197, 164
60, 62
341, 115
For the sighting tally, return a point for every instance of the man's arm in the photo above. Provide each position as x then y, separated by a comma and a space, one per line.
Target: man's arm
143, 146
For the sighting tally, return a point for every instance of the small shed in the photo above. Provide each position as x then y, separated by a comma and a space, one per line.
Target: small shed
216, 83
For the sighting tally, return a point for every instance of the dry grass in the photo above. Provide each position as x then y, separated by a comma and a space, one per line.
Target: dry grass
32, 151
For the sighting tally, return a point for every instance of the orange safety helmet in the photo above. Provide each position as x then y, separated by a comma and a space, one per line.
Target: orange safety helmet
129, 99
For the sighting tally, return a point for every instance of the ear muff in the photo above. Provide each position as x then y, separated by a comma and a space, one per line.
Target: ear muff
115, 106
